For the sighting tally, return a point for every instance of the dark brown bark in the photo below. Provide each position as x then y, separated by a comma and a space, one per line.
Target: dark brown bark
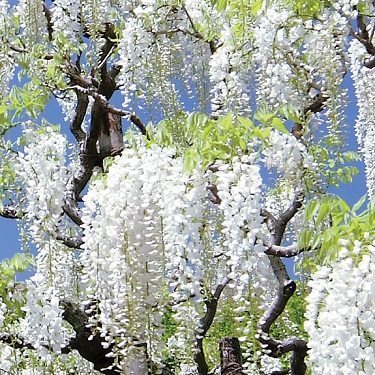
205, 324
11, 212
286, 288
365, 38
89, 348
111, 141
230, 355
73, 243
103, 127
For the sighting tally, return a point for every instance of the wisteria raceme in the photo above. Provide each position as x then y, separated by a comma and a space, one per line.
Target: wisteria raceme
229, 88
32, 19
42, 168
65, 18
166, 244
365, 123
130, 284
134, 52
6, 62
339, 313
324, 48
274, 74
163, 222
239, 185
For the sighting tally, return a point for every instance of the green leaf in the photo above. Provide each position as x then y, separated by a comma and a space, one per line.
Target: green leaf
263, 116
107, 162
305, 238
191, 159
196, 120
359, 204
221, 5
312, 207
262, 133
245, 122
227, 122
351, 156
290, 112
323, 212
3, 109
278, 124
256, 7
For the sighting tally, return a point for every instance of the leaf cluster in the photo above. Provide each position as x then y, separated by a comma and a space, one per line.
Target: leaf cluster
9, 268
201, 140
330, 219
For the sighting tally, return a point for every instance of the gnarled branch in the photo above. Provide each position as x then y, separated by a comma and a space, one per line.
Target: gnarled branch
205, 324
87, 343
11, 212
286, 288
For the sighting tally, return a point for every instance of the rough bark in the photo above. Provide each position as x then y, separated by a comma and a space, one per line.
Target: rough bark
205, 324
101, 126
87, 343
286, 288
111, 141
230, 355
363, 36
11, 212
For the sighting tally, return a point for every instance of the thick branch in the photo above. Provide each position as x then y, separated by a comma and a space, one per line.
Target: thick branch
48, 16
11, 212
286, 288
79, 115
365, 39
277, 306
90, 349
213, 194
73, 243
18, 342
89, 156
230, 355
297, 346
285, 217
283, 251
205, 324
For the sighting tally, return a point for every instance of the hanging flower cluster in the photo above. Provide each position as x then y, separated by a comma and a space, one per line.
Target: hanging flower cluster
229, 80
141, 233
42, 169
145, 246
272, 45
365, 123
146, 49
339, 315
6, 63
324, 47
44, 175
32, 19
296, 58
239, 185
65, 18
135, 58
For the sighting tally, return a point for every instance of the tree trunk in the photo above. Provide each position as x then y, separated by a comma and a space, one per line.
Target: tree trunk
110, 138
230, 354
